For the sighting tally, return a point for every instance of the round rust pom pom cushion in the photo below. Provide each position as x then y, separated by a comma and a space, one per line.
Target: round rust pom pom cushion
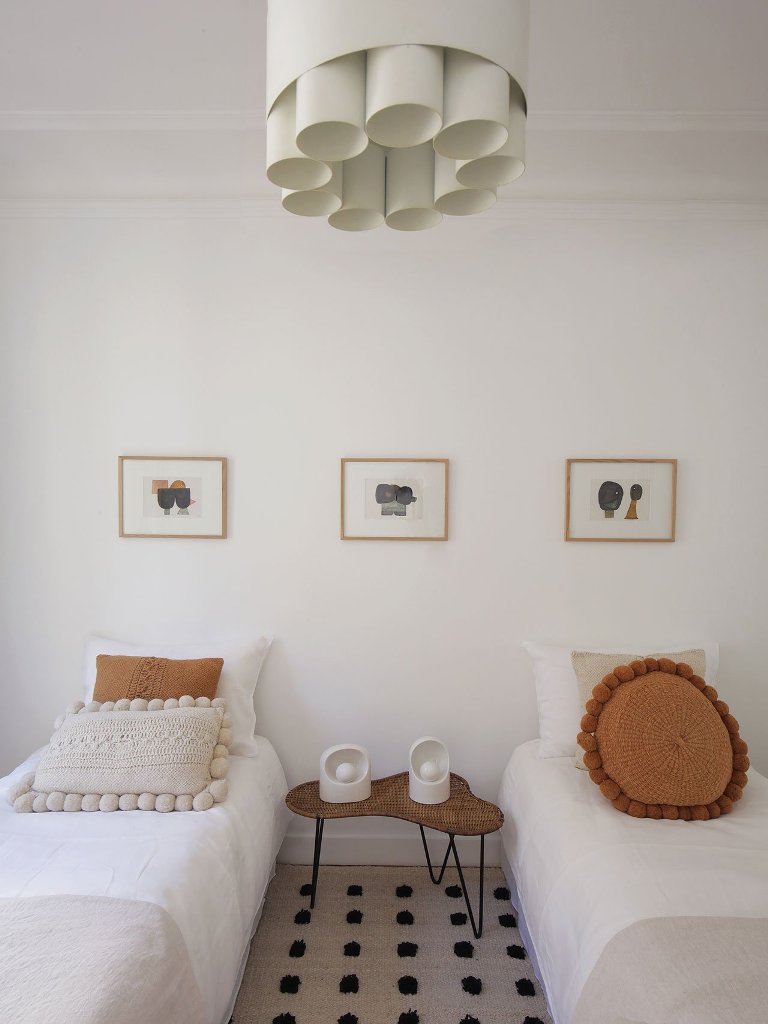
663, 746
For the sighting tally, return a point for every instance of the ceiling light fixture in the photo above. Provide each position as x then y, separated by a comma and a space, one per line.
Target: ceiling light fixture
395, 111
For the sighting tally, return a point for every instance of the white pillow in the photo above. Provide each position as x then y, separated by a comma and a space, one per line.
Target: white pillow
237, 685
557, 688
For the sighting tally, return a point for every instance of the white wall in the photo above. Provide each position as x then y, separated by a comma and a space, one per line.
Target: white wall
502, 344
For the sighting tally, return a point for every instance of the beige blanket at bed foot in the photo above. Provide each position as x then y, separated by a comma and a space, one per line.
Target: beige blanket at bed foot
681, 970
93, 960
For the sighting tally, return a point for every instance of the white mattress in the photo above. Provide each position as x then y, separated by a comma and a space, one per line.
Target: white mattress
209, 870
584, 871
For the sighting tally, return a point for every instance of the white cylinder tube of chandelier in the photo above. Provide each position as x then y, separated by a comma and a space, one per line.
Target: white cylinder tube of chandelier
455, 199
404, 95
316, 202
330, 109
363, 192
287, 166
411, 189
304, 33
475, 107
507, 163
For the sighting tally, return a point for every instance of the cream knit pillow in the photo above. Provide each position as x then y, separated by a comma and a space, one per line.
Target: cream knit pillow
133, 755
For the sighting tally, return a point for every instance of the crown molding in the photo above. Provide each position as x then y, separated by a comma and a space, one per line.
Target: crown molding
530, 211
649, 121
253, 120
131, 120
131, 208
645, 210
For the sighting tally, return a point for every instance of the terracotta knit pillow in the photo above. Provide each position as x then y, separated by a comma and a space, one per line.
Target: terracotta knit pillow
120, 675
660, 744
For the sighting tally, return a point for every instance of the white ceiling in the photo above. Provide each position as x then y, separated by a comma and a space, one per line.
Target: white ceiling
635, 100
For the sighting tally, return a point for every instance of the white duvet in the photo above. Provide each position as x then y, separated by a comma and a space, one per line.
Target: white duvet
209, 870
584, 871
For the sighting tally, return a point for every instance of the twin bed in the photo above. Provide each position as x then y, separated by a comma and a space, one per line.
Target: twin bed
137, 916
636, 921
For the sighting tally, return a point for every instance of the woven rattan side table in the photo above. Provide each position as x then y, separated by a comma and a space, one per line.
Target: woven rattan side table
462, 814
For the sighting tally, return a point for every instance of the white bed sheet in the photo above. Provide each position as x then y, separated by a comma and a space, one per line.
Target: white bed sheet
209, 870
584, 871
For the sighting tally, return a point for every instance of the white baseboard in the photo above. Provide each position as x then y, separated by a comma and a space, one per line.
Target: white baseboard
387, 849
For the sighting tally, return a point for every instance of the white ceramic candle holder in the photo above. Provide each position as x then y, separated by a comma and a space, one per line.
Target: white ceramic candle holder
345, 774
429, 777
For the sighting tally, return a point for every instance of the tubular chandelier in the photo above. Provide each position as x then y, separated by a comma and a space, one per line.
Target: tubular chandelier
395, 111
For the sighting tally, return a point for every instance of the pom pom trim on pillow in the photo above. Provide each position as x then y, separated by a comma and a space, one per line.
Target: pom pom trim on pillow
610, 788
26, 799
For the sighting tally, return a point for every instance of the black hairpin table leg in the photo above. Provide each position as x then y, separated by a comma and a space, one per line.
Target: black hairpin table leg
477, 929
438, 880
319, 825
477, 926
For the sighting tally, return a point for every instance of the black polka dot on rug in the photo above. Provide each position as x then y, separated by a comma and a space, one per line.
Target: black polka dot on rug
298, 948
306, 889
290, 984
469, 1020
464, 949
454, 891
408, 985
284, 1018
349, 983
525, 987
405, 917
354, 890
516, 952
473, 986
502, 893
354, 917
303, 917
348, 1018
458, 919
407, 949
409, 1017
352, 949
507, 920
403, 892
533, 1020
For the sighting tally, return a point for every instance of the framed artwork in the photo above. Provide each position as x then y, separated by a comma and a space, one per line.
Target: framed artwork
394, 499
620, 499
172, 496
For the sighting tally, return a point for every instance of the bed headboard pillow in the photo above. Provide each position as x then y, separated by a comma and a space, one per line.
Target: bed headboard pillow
557, 689
243, 662
591, 666
124, 675
660, 744
133, 755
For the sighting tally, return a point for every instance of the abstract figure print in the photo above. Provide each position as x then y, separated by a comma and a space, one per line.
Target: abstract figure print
609, 497
177, 494
623, 499
171, 498
394, 499
635, 494
620, 499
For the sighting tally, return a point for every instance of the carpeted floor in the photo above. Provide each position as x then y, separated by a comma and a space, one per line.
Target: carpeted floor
385, 946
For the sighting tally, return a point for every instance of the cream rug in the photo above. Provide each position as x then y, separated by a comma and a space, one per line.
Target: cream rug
385, 946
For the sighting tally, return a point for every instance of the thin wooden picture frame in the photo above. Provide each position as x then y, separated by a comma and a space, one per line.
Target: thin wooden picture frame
345, 533
669, 536
219, 533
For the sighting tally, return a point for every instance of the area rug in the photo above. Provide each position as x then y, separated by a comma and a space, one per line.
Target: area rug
384, 945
